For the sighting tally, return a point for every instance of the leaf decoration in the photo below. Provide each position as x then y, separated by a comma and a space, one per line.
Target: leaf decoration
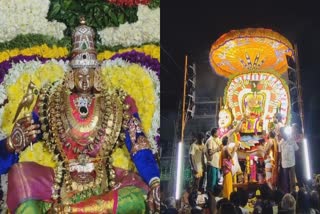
98, 14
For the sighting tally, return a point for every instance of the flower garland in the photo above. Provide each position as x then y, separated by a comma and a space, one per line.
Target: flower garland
146, 29
129, 3
2, 134
40, 50
6, 65
4, 188
17, 81
150, 50
142, 85
23, 17
38, 154
121, 158
140, 58
43, 53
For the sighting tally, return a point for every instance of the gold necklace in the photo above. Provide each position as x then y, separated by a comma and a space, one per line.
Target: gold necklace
115, 116
72, 122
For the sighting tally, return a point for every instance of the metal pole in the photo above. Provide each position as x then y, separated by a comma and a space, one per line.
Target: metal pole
180, 144
300, 100
184, 97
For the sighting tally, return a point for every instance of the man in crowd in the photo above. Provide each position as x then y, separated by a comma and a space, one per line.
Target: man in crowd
196, 153
213, 148
298, 138
287, 148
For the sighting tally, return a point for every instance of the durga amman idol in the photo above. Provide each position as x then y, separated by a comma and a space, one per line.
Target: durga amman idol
81, 122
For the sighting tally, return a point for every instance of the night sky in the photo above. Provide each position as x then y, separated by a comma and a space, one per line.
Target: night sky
190, 28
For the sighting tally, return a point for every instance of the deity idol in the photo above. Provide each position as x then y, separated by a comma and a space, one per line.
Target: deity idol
253, 105
81, 122
224, 121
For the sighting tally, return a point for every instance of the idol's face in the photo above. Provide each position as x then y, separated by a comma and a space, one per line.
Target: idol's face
84, 79
224, 119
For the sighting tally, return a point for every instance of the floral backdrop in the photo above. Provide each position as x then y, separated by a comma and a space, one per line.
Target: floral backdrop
35, 42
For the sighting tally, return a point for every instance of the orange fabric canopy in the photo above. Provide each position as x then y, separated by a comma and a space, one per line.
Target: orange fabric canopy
251, 49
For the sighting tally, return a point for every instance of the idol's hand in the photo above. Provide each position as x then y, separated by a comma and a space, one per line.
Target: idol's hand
24, 132
154, 197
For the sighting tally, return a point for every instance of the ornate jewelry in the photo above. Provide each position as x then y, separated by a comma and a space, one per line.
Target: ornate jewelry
141, 144
134, 128
83, 103
97, 81
69, 80
84, 71
18, 138
9, 144
59, 134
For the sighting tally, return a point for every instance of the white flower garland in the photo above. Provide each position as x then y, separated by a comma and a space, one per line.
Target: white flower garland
2, 134
146, 29
18, 69
3, 95
4, 185
24, 17
14, 74
156, 116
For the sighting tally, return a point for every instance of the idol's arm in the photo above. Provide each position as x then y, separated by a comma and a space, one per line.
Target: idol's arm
8, 156
141, 154
139, 147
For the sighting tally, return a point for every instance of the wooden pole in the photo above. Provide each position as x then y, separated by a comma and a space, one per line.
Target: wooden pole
300, 100
184, 98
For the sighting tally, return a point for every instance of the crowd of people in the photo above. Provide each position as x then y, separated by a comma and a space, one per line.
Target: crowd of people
264, 200
216, 168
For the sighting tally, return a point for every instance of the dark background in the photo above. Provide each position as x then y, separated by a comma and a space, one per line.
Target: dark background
191, 27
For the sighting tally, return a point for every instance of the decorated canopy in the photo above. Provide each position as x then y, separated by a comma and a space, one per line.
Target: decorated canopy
251, 49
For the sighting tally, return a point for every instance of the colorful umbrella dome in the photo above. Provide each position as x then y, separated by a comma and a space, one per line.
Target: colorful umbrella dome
250, 49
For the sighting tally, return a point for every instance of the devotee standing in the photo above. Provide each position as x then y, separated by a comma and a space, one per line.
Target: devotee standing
196, 153
213, 148
227, 163
271, 160
287, 148
278, 125
297, 136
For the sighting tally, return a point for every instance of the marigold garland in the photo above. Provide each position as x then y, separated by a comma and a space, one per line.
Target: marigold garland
151, 50
134, 80
143, 85
59, 52
121, 158
40, 50
38, 154
48, 72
